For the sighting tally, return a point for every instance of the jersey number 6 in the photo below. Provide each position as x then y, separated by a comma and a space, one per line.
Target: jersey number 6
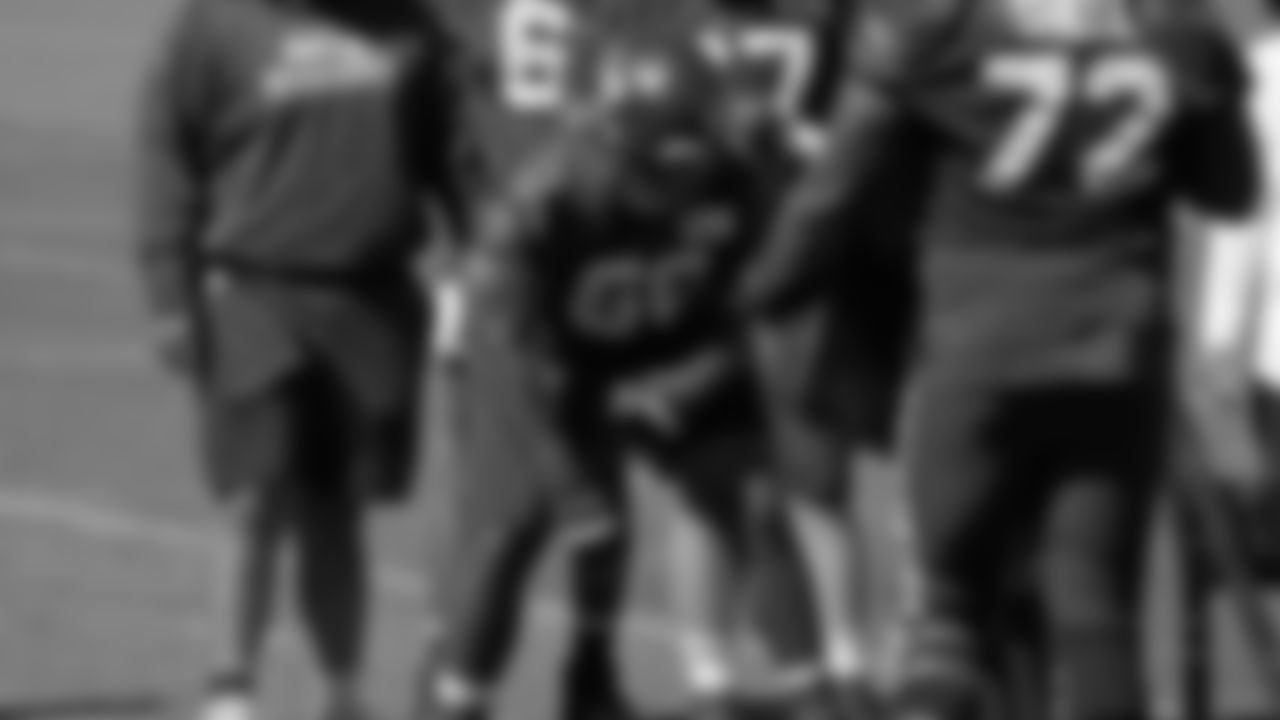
1052, 86
534, 56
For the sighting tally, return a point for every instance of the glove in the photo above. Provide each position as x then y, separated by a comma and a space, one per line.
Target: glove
447, 341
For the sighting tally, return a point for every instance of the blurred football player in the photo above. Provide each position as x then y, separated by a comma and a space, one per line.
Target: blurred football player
1058, 136
603, 325
821, 440
1236, 374
538, 63
292, 154
541, 58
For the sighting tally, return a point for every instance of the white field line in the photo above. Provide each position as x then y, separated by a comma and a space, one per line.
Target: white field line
98, 522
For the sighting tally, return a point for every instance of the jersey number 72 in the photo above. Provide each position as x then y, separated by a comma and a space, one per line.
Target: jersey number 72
1051, 86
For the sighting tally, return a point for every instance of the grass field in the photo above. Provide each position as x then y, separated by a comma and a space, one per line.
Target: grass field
106, 544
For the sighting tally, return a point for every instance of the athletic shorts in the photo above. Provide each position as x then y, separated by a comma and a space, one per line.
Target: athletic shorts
307, 431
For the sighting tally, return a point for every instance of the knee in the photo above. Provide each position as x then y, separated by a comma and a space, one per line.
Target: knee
263, 508
1086, 589
814, 468
328, 512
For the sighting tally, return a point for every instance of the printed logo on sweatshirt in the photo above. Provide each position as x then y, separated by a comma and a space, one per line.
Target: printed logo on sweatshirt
317, 61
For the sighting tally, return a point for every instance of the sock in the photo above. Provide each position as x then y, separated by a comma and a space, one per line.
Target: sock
798, 679
456, 692
706, 668
230, 696
843, 658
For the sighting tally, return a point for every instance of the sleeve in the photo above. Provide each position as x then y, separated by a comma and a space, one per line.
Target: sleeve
803, 239
1233, 250
500, 266
1213, 149
1229, 275
179, 101
442, 149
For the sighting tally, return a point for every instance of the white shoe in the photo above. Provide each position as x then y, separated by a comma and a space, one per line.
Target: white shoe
229, 706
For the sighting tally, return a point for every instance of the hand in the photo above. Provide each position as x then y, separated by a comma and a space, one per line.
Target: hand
642, 403
448, 333
1219, 391
175, 341
659, 399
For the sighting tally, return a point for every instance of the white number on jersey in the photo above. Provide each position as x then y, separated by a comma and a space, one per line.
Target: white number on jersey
1050, 86
535, 40
790, 51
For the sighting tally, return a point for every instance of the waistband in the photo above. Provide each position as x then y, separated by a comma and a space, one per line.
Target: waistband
368, 275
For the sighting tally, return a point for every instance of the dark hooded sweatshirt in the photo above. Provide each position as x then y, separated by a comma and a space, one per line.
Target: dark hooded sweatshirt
288, 152
284, 136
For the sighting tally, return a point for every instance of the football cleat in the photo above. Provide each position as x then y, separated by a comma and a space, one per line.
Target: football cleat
229, 697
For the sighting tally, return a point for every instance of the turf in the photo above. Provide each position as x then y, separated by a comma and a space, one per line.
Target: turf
106, 543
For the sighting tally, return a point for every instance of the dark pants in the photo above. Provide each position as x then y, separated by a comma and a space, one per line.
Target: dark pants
1046, 488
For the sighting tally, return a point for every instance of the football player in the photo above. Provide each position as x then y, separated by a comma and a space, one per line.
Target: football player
1056, 137
287, 151
793, 53
533, 64
1238, 366
601, 327
540, 58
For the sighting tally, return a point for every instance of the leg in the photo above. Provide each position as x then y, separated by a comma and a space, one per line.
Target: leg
707, 543
967, 487
702, 552
481, 610
813, 455
599, 571
494, 553
783, 607
248, 442
818, 461
333, 557
1095, 547
514, 459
